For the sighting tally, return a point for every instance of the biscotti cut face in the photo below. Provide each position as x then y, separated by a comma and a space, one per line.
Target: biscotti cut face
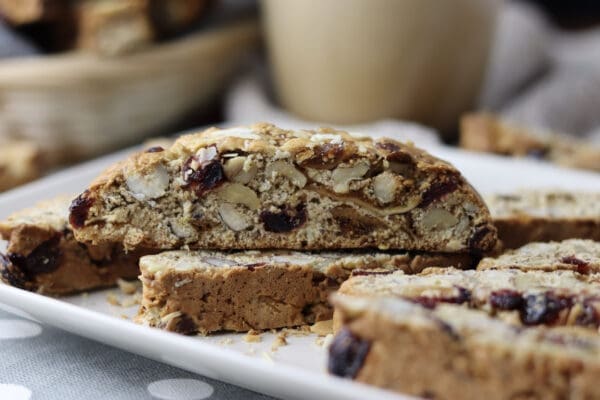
455, 353
578, 255
541, 216
264, 187
203, 291
42, 254
521, 298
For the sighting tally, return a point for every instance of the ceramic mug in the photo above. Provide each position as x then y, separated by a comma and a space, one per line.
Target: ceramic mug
353, 61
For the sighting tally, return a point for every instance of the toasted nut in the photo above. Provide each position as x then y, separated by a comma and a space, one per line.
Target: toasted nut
288, 170
234, 219
438, 218
240, 169
342, 176
150, 184
385, 186
237, 193
181, 229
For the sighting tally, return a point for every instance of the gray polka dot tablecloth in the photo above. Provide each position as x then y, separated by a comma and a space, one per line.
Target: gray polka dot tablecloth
41, 362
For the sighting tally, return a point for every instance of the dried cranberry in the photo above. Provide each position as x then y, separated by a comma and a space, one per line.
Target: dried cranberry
437, 190
10, 274
506, 299
43, 259
390, 147
252, 267
285, 220
347, 354
208, 176
543, 308
326, 156
79, 209
186, 325
482, 239
464, 296
352, 223
155, 149
582, 266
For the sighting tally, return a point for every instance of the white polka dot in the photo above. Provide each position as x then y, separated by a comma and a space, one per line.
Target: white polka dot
14, 392
18, 329
180, 389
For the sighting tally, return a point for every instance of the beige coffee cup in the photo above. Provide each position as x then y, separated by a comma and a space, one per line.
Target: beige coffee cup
353, 61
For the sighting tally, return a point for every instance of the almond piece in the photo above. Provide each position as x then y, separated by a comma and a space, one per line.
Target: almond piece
240, 169
286, 169
342, 176
149, 184
385, 186
234, 219
438, 218
237, 193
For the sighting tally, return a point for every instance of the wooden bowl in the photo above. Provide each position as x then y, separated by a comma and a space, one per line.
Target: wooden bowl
78, 105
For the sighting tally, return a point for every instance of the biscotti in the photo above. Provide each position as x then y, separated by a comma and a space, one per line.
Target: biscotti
524, 298
43, 256
20, 162
578, 255
488, 133
541, 216
455, 353
263, 187
202, 292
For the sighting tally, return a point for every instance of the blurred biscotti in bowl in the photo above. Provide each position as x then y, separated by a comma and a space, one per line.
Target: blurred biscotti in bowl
134, 68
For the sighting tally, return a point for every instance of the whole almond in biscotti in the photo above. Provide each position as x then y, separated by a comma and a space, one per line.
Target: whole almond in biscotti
264, 187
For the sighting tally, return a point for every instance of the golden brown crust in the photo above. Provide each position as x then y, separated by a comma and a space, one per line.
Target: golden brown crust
264, 187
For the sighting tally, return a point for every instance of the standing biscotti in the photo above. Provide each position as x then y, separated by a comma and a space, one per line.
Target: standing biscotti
451, 352
264, 187
542, 216
43, 256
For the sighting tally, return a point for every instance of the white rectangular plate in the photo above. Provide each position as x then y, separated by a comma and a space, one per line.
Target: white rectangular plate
295, 371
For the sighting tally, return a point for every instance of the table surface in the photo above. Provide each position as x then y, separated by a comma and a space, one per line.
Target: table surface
41, 362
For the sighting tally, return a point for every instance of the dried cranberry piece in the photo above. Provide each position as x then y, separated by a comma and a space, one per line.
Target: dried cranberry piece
79, 209
207, 176
506, 299
10, 274
285, 220
439, 189
43, 259
347, 354
482, 239
543, 308
252, 267
582, 266
186, 325
464, 296
589, 316
326, 156
155, 149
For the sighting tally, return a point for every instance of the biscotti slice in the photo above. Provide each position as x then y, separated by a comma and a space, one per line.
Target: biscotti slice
520, 297
263, 187
21, 161
43, 256
578, 255
489, 133
455, 353
541, 216
204, 291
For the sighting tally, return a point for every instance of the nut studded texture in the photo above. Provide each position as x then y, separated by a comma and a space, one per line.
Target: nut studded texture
263, 187
455, 353
541, 216
522, 298
204, 291
42, 254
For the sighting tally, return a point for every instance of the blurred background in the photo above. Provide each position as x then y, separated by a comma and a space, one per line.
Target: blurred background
82, 78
